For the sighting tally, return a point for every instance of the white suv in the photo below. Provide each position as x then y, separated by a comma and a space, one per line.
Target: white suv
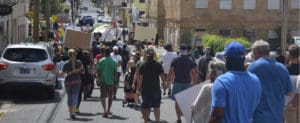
28, 64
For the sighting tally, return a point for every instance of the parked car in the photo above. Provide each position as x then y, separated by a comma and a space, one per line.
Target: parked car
29, 65
86, 20
84, 8
105, 19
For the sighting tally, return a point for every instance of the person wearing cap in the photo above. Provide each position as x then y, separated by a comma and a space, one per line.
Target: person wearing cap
149, 85
236, 93
117, 57
166, 61
183, 72
275, 81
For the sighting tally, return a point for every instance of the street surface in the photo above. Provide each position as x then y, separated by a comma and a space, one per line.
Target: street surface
31, 105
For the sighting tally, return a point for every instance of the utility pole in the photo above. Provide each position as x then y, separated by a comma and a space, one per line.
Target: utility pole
36, 20
72, 10
47, 18
284, 25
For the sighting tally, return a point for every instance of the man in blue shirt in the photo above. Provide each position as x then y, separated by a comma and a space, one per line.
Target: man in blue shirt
236, 93
275, 81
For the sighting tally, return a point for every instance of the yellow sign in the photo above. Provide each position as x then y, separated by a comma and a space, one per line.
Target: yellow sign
29, 14
54, 18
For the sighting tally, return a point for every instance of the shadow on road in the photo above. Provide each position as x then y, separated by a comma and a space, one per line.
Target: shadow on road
81, 119
29, 96
116, 117
85, 114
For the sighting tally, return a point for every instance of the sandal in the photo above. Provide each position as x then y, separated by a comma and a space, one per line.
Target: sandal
105, 115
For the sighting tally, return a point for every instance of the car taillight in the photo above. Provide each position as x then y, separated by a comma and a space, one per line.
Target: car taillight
49, 67
3, 66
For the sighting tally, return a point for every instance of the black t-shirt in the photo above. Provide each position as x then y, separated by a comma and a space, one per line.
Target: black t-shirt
182, 67
203, 66
151, 71
293, 69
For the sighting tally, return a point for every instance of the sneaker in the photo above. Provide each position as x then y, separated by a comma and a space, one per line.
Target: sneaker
73, 117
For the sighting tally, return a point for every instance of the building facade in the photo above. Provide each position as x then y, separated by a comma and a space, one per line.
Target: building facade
14, 27
188, 20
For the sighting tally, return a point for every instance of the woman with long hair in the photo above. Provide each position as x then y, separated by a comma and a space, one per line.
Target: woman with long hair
72, 70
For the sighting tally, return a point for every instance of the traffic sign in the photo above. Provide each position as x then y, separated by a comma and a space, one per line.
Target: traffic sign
5, 9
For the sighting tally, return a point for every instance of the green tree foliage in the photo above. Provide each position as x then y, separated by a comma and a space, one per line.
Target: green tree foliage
56, 7
218, 43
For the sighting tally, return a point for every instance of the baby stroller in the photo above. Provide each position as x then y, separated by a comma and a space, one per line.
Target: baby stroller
128, 91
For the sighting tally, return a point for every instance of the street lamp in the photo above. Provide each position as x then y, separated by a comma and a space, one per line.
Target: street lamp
284, 25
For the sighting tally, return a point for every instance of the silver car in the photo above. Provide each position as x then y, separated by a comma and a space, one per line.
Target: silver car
28, 64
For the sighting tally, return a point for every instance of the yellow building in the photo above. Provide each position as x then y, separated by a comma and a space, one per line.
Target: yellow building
140, 5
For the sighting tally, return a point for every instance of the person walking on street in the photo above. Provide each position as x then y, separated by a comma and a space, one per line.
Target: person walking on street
292, 103
117, 57
183, 72
294, 60
149, 85
202, 105
107, 77
275, 82
72, 70
166, 61
236, 93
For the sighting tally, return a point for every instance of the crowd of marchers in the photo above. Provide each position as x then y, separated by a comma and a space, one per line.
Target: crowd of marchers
238, 85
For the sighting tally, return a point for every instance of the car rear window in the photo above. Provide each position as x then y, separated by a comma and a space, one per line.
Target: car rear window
25, 55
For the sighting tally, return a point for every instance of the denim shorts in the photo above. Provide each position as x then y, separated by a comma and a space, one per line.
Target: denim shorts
73, 93
151, 101
178, 87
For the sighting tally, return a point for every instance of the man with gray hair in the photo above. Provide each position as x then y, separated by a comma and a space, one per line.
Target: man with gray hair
201, 106
275, 81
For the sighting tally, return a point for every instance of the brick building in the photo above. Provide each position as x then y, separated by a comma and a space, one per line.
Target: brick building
187, 20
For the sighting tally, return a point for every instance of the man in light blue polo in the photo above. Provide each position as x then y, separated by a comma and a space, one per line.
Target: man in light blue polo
236, 93
275, 81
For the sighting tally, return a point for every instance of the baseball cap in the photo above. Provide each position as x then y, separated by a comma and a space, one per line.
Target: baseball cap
235, 50
115, 48
183, 47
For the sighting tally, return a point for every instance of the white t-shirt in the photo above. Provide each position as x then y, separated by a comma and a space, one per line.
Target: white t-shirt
166, 60
296, 88
118, 59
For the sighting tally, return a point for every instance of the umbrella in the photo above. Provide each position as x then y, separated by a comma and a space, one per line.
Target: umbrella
101, 29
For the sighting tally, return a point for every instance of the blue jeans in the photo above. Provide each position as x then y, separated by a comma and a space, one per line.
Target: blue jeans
72, 93
178, 87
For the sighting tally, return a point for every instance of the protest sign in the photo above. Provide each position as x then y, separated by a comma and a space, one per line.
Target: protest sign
77, 39
186, 98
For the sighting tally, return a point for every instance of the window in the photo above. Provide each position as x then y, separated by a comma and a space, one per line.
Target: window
25, 55
201, 3
249, 4
142, 1
225, 4
273, 4
225, 32
295, 4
